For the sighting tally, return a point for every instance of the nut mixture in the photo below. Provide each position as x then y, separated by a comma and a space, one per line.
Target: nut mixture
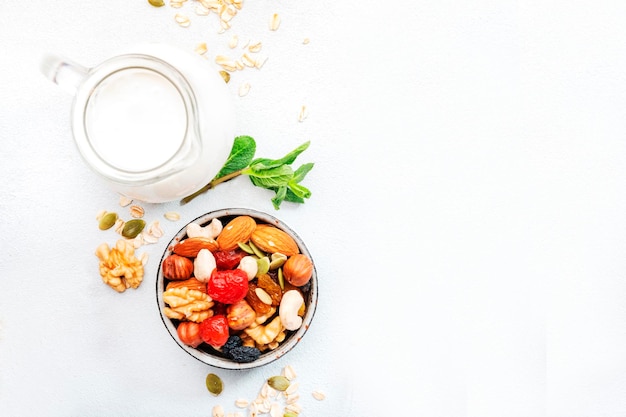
235, 281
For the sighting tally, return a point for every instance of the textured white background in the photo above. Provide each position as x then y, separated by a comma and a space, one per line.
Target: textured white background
468, 220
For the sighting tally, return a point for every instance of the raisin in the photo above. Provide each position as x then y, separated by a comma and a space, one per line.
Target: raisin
243, 354
232, 342
271, 287
260, 308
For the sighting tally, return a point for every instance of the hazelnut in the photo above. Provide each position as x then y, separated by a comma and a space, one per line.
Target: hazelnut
298, 269
177, 267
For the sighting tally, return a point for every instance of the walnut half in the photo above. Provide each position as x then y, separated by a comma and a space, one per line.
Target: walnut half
119, 267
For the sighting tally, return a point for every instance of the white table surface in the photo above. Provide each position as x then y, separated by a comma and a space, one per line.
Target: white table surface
468, 217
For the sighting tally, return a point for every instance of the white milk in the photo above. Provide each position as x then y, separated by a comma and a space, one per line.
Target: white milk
136, 119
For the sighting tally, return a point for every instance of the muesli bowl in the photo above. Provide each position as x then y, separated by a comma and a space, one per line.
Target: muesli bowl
205, 271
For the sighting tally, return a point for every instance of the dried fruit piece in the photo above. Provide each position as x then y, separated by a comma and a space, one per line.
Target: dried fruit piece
237, 230
214, 384
270, 286
243, 354
214, 331
272, 239
229, 259
132, 228
253, 299
278, 382
229, 286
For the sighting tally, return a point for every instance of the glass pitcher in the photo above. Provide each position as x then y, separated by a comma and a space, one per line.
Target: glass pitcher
155, 122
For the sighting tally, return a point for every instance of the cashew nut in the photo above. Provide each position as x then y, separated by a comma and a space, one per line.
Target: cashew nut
203, 265
249, 265
289, 305
211, 230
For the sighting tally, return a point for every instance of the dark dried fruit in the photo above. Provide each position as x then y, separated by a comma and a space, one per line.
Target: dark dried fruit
232, 342
244, 354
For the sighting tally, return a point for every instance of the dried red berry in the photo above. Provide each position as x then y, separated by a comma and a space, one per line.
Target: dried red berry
229, 286
214, 331
228, 259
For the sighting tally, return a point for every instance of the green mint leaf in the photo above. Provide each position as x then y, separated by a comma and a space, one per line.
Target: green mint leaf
240, 156
299, 190
301, 172
265, 163
280, 196
292, 198
270, 178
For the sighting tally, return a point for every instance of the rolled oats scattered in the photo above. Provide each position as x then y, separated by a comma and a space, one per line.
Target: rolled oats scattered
100, 214
318, 395
119, 226
241, 403
255, 47
260, 62
172, 216
201, 10
306, 41
201, 48
244, 89
275, 410
182, 20
125, 201
218, 411
289, 373
274, 22
232, 43
136, 211
303, 114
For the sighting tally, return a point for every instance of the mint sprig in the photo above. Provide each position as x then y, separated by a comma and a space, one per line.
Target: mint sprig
276, 175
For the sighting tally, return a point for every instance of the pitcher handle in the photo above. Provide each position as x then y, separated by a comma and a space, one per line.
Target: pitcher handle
65, 73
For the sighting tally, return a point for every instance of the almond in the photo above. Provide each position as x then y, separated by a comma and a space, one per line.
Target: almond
192, 245
191, 283
271, 240
237, 230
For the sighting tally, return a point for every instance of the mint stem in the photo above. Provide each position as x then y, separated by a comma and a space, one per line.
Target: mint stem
214, 182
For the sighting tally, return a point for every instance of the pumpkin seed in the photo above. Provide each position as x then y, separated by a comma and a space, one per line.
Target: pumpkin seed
281, 279
132, 228
107, 221
246, 248
278, 259
263, 265
258, 252
290, 414
157, 3
214, 384
278, 382
225, 75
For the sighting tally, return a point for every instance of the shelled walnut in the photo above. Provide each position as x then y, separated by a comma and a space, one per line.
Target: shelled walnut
119, 267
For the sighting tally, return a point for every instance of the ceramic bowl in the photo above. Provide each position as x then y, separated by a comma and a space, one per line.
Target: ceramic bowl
206, 353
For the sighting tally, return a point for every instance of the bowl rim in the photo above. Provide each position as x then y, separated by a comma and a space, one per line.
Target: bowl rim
266, 357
